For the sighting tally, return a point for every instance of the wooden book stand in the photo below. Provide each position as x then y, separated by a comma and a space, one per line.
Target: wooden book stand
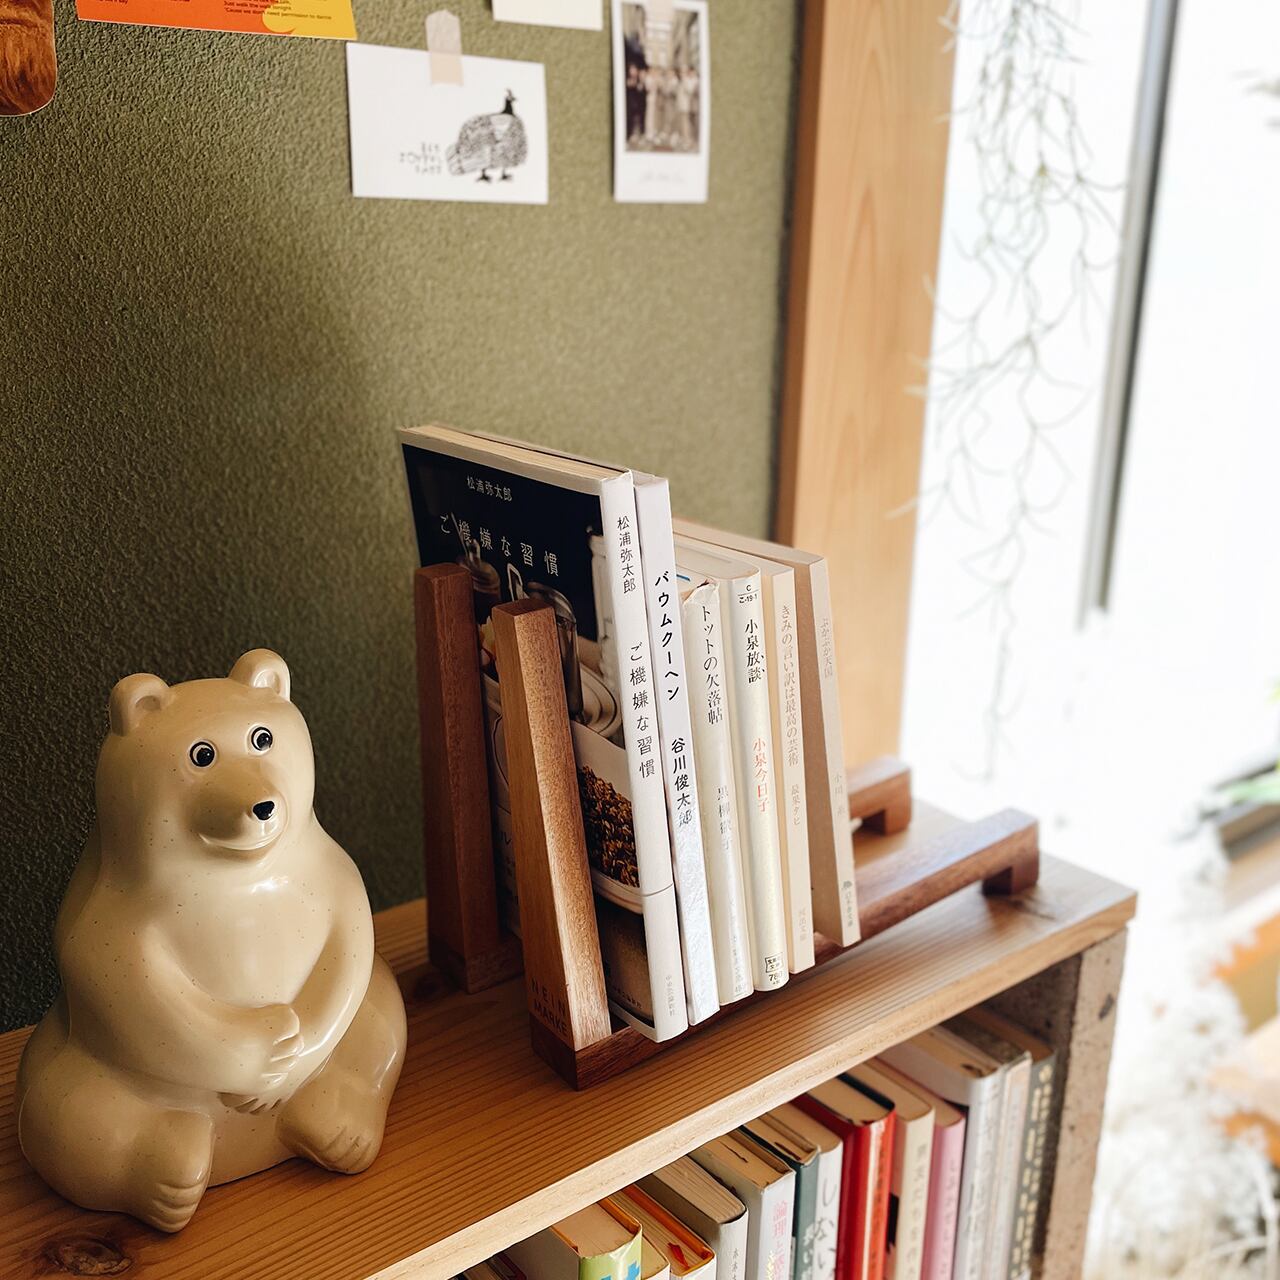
897, 875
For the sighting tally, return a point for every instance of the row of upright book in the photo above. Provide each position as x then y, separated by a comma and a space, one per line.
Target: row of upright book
701, 686
922, 1164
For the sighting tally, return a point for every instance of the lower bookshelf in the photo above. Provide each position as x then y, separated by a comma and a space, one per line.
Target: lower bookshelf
485, 1144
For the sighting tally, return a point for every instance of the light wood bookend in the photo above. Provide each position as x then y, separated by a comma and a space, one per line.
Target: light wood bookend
564, 973
465, 937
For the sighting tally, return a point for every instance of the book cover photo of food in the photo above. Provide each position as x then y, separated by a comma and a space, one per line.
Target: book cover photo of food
529, 525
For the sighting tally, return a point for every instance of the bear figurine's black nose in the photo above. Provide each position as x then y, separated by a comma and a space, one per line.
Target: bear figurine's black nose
264, 809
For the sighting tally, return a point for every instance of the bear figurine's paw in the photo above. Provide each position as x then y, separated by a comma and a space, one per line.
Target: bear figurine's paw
335, 1123
171, 1170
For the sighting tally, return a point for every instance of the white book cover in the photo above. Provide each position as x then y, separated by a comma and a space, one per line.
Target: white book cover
671, 703
778, 584
768, 1188
707, 663
966, 1077
684, 1188
1013, 1123
528, 524
835, 898
751, 728
1016, 1068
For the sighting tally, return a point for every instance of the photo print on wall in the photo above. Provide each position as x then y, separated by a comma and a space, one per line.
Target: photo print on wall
661, 101
484, 140
28, 62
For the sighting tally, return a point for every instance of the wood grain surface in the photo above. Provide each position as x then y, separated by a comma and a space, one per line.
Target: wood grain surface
896, 879
485, 1144
564, 974
870, 162
466, 938
880, 794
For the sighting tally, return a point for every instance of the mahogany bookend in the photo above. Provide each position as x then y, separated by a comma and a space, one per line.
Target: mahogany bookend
465, 937
880, 795
564, 974
901, 870
1002, 851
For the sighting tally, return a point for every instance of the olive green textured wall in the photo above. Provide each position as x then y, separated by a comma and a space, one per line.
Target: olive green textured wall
206, 345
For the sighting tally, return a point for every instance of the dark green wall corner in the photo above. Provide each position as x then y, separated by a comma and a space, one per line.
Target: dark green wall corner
207, 343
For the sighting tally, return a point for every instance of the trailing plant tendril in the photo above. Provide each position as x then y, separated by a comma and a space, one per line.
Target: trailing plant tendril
1036, 192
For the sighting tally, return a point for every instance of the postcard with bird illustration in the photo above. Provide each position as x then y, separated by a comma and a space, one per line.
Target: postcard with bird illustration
412, 139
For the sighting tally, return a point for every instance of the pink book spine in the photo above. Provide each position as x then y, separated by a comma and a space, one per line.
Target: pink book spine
944, 1201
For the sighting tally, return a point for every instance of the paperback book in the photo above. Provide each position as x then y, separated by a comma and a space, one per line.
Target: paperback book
835, 899
751, 731
968, 1078
708, 1207
527, 524
601, 1242
778, 596
707, 661
670, 703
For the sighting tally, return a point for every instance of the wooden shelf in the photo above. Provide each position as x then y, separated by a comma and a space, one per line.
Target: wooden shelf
485, 1144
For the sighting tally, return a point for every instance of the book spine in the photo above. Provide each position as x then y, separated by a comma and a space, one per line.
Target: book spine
875, 1177
1031, 1171
618, 1265
749, 721
983, 1100
944, 1201
731, 1249
640, 734
777, 1208
977, 1179
835, 899
671, 695
1013, 1125
713, 748
827, 1214
912, 1160
789, 783
804, 1224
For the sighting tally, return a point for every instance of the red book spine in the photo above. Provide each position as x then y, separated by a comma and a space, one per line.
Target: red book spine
871, 1241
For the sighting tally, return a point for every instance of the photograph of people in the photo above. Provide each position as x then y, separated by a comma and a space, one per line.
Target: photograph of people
662, 82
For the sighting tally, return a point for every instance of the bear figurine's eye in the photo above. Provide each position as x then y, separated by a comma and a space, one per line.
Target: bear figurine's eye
260, 739
202, 755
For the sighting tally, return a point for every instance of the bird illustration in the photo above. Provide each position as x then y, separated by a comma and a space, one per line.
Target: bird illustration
495, 141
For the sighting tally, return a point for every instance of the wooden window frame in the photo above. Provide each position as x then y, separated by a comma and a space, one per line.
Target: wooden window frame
870, 167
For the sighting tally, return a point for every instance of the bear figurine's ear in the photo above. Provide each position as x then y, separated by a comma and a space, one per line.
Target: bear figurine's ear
134, 697
262, 669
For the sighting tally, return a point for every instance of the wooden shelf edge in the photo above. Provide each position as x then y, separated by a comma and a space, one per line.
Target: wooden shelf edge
450, 1256
485, 1144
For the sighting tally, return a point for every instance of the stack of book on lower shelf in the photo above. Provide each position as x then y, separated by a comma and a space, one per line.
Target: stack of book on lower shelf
922, 1164
700, 681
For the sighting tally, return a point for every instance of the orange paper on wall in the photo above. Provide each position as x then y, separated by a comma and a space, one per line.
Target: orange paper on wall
326, 19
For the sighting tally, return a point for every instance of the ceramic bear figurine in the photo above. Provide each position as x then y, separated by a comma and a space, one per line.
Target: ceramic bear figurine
222, 1007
